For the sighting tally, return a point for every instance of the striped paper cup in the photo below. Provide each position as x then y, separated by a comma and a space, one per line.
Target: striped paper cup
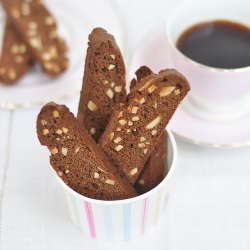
123, 219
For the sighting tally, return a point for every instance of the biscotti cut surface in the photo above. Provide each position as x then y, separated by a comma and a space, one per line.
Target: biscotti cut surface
103, 83
136, 125
76, 157
15, 59
37, 28
154, 169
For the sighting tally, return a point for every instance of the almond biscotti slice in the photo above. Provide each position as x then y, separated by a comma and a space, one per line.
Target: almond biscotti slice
136, 125
15, 59
37, 28
76, 157
154, 169
103, 83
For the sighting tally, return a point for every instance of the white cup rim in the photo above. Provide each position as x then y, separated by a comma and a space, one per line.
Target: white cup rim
134, 199
172, 44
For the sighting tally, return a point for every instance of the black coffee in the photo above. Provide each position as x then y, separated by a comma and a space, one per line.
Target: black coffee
219, 44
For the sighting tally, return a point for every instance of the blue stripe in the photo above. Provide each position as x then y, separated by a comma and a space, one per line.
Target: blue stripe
126, 221
77, 216
107, 215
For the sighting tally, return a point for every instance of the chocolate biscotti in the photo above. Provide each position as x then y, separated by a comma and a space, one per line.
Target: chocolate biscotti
15, 59
77, 159
103, 83
37, 28
136, 125
154, 169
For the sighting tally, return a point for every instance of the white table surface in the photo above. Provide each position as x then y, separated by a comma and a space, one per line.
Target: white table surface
209, 205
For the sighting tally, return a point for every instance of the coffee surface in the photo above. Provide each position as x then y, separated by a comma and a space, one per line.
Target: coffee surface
219, 44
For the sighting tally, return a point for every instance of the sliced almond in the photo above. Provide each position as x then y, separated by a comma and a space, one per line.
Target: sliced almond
77, 149
64, 151
133, 171
141, 145
53, 150
145, 151
55, 113
134, 110
112, 56
135, 118
111, 66
92, 131
154, 132
152, 88
45, 131
122, 122
117, 140
65, 130
142, 100
154, 122
130, 123
110, 93
110, 136
120, 114
111, 182
96, 175
118, 148
118, 129
112, 84
177, 91
142, 139
118, 89
59, 131
43, 122
92, 106
165, 91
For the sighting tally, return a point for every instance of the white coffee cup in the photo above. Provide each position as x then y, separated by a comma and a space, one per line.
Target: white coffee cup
216, 94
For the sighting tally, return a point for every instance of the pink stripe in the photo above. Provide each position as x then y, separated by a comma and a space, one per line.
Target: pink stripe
144, 213
90, 218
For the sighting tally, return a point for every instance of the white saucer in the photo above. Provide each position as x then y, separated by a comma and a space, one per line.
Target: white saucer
75, 20
154, 54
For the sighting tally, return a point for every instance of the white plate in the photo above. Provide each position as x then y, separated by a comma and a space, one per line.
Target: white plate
75, 19
154, 54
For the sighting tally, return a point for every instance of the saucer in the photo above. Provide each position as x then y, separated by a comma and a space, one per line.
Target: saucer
153, 52
75, 20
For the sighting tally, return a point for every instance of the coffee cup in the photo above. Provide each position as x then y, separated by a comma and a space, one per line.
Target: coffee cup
217, 94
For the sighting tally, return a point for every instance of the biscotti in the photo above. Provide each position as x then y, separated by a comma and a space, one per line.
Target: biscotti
15, 59
103, 83
76, 157
155, 167
37, 28
136, 125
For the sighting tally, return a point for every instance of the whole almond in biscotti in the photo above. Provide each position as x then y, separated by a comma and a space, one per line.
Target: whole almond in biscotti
15, 59
76, 157
136, 125
37, 28
103, 82
155, 167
